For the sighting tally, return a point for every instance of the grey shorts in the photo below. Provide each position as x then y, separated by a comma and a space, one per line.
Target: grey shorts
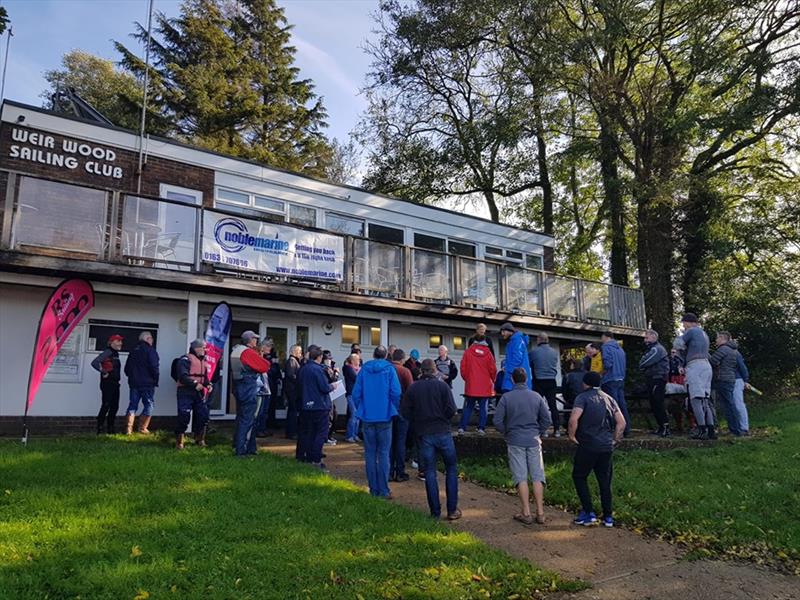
698, 378
526, 463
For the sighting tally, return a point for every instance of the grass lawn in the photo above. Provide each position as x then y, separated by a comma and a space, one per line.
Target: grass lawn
738, 500
132, 518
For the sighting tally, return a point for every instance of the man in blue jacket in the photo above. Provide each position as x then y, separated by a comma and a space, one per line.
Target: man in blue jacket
315, 408
516, 356
614, 369
376, 397
142, 371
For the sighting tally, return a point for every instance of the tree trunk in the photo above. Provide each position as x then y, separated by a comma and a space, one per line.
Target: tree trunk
494, 213
702, 207
616, 206
544, 173
654, 257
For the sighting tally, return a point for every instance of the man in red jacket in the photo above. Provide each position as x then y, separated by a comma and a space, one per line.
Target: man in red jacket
478, 370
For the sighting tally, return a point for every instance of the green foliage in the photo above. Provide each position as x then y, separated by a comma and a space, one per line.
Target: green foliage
4, 20
732, 500
222, 77
125, 518
113, 92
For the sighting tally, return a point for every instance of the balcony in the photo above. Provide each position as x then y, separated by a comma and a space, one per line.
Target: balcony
49, 218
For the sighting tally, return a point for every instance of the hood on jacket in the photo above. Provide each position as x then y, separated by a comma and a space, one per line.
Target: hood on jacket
377, 365
733, 344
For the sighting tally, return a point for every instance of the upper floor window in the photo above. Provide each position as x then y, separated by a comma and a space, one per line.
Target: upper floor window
533, 261
382, 233
345, 225
269, 204
428, 242
461, 248
302, 215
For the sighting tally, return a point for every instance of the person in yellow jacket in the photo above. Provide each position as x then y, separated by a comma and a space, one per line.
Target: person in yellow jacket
593, 361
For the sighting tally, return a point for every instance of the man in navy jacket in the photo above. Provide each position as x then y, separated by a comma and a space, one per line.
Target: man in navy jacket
142, 371
614, 369
655, 365
315, 407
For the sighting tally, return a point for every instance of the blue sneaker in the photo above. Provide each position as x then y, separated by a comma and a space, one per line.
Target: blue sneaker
608, 521
585, 519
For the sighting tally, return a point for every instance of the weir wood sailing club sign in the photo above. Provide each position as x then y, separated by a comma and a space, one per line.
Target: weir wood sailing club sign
67, 154
245, 244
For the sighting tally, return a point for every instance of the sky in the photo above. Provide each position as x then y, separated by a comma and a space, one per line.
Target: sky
328, 35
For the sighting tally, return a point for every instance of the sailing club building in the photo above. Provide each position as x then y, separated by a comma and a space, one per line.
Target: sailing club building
298, 259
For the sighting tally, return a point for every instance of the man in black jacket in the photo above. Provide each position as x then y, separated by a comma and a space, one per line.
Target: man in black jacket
429, 405
655, 364
108, 365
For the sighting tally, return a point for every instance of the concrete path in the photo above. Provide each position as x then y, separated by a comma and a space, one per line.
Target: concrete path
619, 564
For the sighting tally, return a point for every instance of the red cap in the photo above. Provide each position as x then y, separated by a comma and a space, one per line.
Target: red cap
115, 337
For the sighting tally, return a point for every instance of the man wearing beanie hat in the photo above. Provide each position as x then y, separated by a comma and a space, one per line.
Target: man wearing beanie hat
516, 356
596, 425
693, 345
193, 389
108, 365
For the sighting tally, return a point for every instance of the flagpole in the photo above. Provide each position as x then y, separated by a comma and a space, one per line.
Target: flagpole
144, 97
5, 64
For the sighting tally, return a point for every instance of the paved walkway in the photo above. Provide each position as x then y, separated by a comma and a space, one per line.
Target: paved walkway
619, 564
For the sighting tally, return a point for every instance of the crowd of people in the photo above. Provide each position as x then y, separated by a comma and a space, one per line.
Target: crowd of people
400, 407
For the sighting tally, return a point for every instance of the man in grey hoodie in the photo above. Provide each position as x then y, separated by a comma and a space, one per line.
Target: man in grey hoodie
522, 416
724, 361
693, 345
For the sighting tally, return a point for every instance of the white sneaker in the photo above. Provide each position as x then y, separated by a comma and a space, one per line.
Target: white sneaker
414, 464
557, 434
481, 432
546, 434
331, 442
460, 431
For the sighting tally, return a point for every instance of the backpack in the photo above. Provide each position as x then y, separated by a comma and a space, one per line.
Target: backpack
173, 369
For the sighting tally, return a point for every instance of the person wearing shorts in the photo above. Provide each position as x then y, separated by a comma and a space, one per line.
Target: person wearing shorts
522, 415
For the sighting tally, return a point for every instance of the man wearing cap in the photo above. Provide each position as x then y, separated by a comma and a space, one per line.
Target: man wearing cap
193, 389
315, 408
107, 364
516, 356
596, 425
694, 345
246, 367
142, 371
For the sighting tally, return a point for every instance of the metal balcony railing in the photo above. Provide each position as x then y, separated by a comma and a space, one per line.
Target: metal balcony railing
42, 216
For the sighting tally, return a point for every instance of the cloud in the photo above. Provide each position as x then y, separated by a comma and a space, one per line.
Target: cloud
326, 65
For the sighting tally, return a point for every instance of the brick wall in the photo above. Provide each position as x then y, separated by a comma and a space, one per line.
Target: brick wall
156, 171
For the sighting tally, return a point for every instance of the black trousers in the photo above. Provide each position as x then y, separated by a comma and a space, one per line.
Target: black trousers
585, 462
109, 404
656, 388
313, 431
547, 389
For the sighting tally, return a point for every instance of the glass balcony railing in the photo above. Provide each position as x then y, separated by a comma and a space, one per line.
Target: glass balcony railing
51, 218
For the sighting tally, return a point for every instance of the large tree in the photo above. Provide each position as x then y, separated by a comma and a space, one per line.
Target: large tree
448, 114
222, 74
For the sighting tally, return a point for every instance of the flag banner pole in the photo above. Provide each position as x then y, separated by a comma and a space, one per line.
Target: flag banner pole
68, 304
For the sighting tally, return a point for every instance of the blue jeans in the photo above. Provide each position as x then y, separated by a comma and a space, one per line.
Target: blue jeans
263, 413
353, 421
377, 441
247, 402
429, 446
616, 389
469, 406
397, 458
146, 397
741, 408
725, 398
